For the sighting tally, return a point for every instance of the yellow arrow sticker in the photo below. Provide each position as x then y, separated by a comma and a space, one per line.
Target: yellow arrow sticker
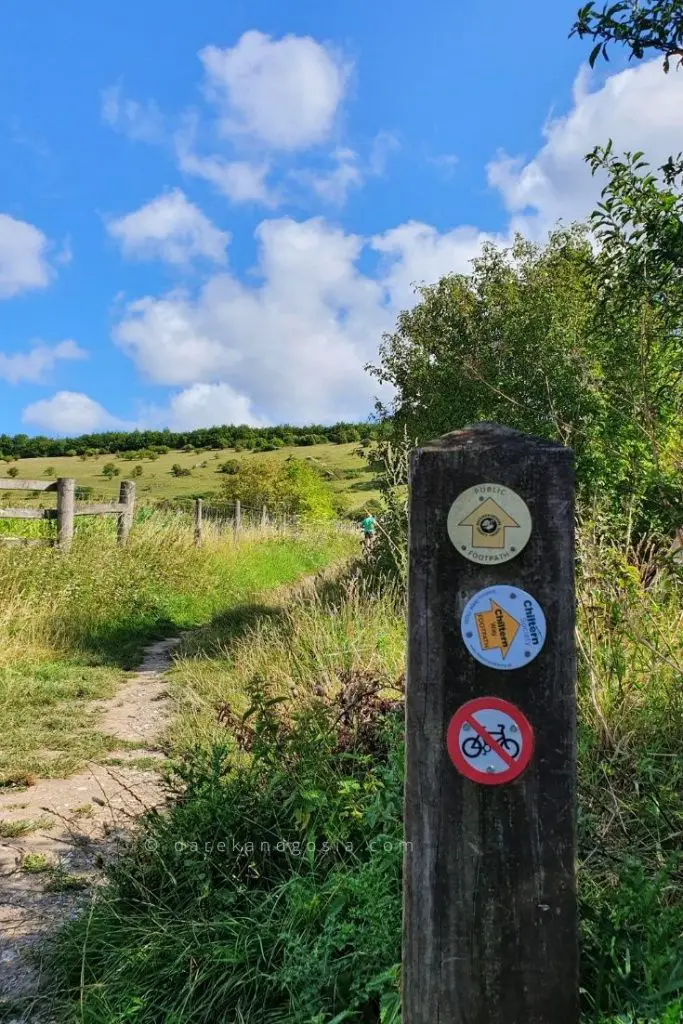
489, 523
496, 629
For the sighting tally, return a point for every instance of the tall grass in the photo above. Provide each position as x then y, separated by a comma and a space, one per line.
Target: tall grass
187, 931
103, 599
70, 623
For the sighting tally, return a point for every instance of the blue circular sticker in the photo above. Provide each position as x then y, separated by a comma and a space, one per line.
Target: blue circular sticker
503, 627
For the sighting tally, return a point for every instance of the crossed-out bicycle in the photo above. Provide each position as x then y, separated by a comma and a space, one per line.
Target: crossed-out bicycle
475, 746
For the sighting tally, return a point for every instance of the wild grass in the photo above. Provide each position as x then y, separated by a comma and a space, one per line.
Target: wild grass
189, 931
70, 625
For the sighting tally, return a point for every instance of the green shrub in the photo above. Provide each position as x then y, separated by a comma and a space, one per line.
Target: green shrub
278, 877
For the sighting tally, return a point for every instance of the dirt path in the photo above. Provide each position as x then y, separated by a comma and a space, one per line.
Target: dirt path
84, 818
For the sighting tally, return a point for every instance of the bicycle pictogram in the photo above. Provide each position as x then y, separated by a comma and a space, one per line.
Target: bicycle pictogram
475, 746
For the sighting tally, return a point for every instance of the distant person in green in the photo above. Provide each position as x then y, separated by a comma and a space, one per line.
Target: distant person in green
369, 526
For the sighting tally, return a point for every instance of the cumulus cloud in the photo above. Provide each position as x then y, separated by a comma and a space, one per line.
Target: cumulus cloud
141, 122
640, 108
240, 181
283, 93
203, 405
333, 186
34, 366
291, 342
23, 257
170, 228
296, 343
71, 413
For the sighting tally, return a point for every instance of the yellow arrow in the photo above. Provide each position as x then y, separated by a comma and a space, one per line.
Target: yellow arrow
496, 628
488, 522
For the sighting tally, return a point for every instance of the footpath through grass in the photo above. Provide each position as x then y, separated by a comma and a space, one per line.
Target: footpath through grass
272, 892
70, 625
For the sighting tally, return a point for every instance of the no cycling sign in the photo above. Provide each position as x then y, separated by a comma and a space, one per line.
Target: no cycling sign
490, 741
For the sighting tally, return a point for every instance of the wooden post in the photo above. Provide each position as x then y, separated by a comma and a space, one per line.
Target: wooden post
264, 517
490, 917
237, 523
66, 502
198, 522
127, 498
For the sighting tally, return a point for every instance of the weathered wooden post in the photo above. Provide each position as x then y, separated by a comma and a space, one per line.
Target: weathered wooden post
127, 498
264, 517
490, 917
198, 522
237, 522
66, 503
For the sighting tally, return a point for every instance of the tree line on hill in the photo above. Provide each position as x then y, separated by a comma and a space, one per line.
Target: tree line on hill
21, 446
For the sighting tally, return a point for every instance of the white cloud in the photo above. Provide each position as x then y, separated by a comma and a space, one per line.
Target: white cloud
295, 344
71, 413
23, 257
349, 171
445, 163
203, 405
333, 186
291, 343
33, 366
170, 228
141, 122
282, 93
640, 108
383, 145
241, 181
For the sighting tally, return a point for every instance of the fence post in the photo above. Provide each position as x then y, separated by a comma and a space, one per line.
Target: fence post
264, 517
238, 516
127, 498
66, 501
198, 522
490, 917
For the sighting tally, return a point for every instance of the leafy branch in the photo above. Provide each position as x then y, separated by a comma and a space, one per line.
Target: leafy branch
653, 25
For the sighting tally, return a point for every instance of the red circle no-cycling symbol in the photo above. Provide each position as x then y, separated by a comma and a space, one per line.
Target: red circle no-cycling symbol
490, 741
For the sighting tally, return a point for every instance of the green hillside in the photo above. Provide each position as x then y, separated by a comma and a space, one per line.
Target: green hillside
348, 474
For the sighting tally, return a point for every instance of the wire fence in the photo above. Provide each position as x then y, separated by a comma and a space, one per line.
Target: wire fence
235, 516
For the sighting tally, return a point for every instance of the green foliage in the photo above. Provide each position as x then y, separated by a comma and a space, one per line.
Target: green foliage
110, 470
270, 893
178, 470
387, 560
640, 25
293, 487
197, 925
137, 471
13, 471
147, 443
537, 338
49, 471
229, 467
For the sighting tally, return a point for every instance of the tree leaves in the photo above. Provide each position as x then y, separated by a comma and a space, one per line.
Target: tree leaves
640, 25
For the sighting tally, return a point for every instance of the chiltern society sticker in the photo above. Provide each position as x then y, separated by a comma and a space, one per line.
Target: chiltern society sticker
503, 627
489, 523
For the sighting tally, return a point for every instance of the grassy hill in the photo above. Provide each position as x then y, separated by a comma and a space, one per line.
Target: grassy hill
348, 474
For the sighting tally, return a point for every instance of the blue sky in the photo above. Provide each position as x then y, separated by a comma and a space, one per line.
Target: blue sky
211, 213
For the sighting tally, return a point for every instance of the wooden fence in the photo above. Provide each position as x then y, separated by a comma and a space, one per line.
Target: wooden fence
67, 509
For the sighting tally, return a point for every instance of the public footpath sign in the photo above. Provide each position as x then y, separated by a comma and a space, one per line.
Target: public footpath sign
503, 627
490, 741
489, 524
490, 922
